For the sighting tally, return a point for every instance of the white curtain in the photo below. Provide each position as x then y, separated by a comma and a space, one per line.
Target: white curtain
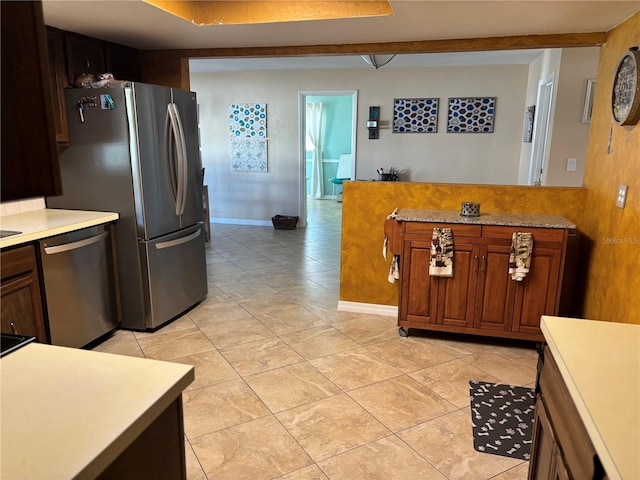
315, 132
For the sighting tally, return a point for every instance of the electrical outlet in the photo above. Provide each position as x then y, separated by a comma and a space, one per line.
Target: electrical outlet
622, 195
572, 163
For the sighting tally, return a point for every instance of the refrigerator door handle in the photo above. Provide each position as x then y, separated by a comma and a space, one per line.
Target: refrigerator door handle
170, 155
74, 245
179, 241
178, 141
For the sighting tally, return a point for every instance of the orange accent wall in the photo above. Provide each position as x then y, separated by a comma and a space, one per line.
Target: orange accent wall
363, 272
613, 273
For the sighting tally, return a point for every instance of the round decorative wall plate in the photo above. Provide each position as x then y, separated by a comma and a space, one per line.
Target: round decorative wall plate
625, 95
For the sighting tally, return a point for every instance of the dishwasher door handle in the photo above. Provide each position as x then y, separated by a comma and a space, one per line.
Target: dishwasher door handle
65, 247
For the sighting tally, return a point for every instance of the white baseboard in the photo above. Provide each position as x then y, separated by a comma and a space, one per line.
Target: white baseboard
373, 308
242, 221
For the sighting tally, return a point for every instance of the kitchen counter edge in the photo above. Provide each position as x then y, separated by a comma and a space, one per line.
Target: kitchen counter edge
584, 352
47, 222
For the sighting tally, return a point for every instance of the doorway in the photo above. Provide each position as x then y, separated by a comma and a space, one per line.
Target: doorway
327, 129
542, 131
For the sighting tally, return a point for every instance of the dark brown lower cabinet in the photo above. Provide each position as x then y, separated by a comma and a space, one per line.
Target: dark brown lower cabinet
157, 453
21, 304
561, 447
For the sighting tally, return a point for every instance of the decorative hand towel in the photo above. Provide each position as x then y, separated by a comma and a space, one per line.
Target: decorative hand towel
520, 257
441, 263
394, 269
385, 244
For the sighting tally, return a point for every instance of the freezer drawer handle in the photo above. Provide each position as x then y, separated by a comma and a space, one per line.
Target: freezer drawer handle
178, 241
75, 245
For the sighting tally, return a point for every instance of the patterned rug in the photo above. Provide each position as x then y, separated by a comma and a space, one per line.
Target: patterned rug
502, 418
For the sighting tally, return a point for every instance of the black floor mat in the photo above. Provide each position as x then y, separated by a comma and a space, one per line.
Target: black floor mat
502, 418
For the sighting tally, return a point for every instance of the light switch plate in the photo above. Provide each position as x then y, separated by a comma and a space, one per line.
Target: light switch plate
622, 195
572, 163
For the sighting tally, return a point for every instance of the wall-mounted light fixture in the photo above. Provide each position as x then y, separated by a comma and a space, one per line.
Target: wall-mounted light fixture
377, 61
373, 124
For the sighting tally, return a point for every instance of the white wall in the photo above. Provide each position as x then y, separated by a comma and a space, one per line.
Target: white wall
546, 63
441, 157
570, 135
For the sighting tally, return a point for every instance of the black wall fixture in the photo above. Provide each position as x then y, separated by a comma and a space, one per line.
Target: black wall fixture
373, 124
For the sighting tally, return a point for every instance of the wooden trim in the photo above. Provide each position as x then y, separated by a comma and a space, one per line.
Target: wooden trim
562, 40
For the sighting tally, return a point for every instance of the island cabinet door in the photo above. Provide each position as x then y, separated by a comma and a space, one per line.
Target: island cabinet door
496, 291
418, 294
537, 294
456, 294
546, 460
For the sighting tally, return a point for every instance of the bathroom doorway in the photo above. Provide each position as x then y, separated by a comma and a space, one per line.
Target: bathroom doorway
327, 128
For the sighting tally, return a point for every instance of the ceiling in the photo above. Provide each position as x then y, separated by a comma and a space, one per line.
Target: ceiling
142, 26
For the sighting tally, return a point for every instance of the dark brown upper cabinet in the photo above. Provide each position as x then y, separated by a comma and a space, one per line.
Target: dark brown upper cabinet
29, 151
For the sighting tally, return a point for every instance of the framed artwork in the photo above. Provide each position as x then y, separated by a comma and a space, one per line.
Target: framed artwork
248, 120
248, 135
588, 100
415, 115
529, 113
471, 115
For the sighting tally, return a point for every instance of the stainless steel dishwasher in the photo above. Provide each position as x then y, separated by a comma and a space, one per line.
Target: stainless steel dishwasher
77, 270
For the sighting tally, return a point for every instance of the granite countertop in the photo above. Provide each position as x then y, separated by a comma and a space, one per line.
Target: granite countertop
47, 222
600, 364
507, 219
68, 413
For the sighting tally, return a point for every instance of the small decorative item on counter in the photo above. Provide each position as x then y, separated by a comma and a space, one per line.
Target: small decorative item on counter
390, 176
470, 209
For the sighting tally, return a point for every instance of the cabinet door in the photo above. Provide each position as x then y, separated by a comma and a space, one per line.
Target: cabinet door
496, 291
122, 62
546, 460
456, 295
58, 77
537, 294
84, 55
418, 295
21, 305
29, 154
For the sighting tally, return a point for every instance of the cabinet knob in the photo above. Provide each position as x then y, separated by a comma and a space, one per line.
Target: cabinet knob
14, 330
475, 263
483, 263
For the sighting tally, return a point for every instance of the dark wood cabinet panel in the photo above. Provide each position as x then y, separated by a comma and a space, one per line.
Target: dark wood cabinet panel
122, 62
84, 55
29, 153
21, 304
481, 297
561, 448
58, 78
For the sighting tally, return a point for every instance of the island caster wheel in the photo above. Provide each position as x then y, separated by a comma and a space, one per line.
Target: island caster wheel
403, 332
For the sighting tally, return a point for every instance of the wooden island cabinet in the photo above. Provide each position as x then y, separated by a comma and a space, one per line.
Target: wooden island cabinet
480, 297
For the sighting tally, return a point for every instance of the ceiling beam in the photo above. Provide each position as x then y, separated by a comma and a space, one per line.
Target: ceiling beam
564, 40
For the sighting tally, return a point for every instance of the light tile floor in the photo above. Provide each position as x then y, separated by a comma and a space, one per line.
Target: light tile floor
289, 387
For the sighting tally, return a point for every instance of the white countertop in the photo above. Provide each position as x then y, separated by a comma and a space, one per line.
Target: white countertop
68, 413
600, 363
47, 222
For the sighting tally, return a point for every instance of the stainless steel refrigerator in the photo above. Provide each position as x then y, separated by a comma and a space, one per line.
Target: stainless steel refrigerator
134, 149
